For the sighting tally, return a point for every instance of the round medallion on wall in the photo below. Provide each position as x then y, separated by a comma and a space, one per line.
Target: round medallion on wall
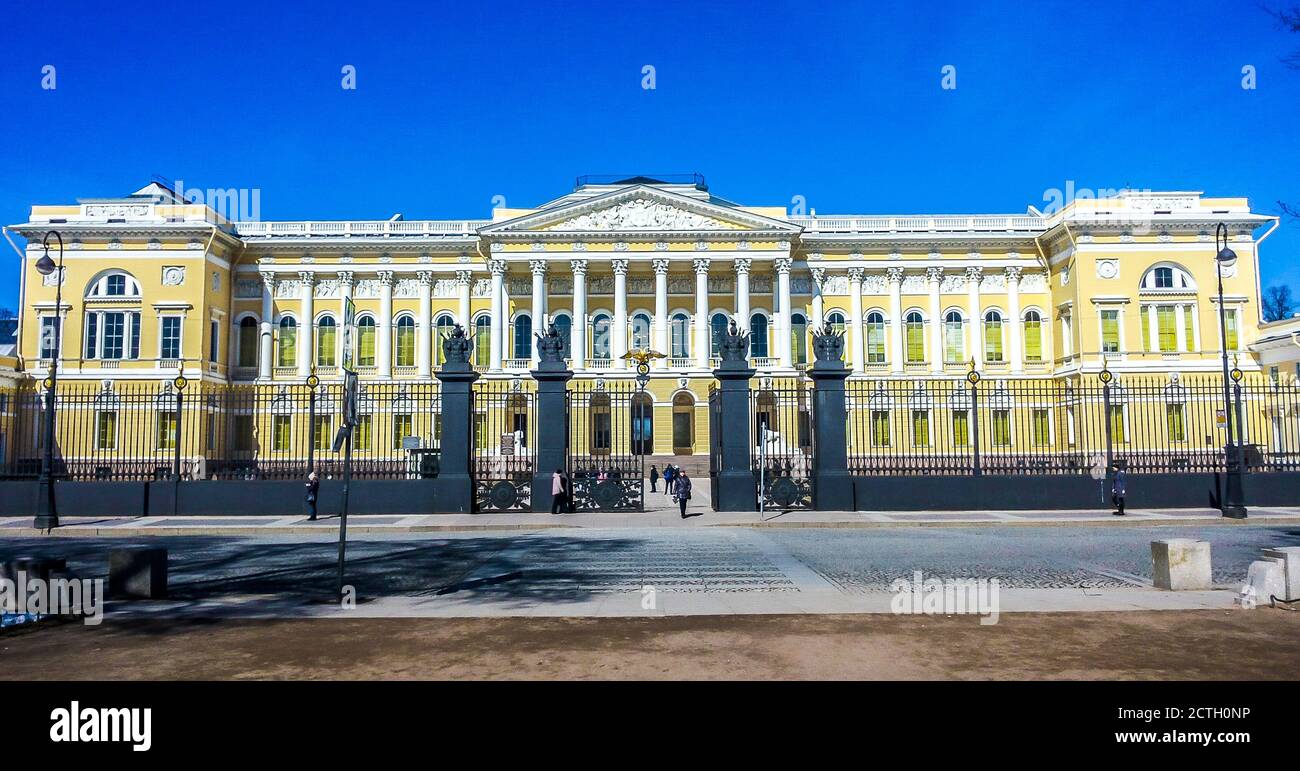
1107, 269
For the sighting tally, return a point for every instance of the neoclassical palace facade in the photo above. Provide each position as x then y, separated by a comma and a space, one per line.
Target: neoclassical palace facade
156, 286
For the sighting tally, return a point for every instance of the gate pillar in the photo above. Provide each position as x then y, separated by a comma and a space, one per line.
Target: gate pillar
456, 445
551, 438
832, 484
737, 488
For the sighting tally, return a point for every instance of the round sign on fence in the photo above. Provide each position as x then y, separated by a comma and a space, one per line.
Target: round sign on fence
784, 492
607, 494
503, 495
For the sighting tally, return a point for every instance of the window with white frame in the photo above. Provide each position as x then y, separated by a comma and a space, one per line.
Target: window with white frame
49, 331
112, 335
169, 337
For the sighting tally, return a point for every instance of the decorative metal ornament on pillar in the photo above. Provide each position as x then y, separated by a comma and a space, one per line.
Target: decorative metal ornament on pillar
551, 444
832, 486
455, 476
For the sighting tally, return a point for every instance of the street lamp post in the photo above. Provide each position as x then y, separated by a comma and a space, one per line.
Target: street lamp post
47, 511
1233, 504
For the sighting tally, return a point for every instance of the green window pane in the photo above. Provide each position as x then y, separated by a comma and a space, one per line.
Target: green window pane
1034, 340
921, 428
961, 429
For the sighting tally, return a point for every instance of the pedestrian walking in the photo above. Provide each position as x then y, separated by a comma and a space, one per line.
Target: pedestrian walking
557, 491
682, 490
654, 478
313, 488
1118, 490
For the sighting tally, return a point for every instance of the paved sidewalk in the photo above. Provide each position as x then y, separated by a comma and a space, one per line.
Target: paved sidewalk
363, 524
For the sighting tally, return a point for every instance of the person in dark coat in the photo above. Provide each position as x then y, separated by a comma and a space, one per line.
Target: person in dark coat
668, 479
313, 489
682, 490
1118, 491
654, 478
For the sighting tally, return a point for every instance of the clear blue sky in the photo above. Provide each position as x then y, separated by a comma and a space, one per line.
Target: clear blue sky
459, 102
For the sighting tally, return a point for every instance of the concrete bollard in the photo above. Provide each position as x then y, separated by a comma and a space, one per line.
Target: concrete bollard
1181, 564
1289, 558
137, 573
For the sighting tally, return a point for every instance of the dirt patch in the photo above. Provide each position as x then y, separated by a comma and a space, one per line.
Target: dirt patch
1131, 645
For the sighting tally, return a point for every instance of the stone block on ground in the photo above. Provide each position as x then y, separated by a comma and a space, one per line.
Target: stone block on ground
137, 573
1181, 564
1289, 557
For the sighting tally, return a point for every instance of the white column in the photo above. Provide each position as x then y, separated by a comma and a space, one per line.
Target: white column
742, 293
384, 327
346, 282
307, 326
1153, 329
818, 303
1017, 331
498, 268
783, 347
973, 277
578, 344
618, 331
464, 282
661, 311
935, 276
702, 312
266, 351
538, 267
423, 325
896, 353
857, 344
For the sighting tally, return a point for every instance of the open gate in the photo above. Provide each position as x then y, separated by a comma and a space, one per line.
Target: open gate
610, 427
504, 437
783, 451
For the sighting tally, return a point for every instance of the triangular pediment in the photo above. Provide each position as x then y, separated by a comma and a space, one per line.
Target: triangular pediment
638, 209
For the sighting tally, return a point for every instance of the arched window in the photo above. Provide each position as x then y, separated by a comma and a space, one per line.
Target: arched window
523, 333
799, 338
758, 336
115, 283
366, 341
443, 328
680, 336
1170, 277
564, 326
683, 423
248, 342
954, 349
915, 337
640, 331
287, 345
717, 330
993, 337
325, 341
483, 340
875, 336
600, 330
1033, 336
404, 348
836, 320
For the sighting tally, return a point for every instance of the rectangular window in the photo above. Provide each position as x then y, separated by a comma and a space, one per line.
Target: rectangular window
321, 433
1174, 420
1033, 340
915, 342
92, 334
953, 348
134, 352
1110, 331
993, 341
1167, 328
366, 345
325, 345
1189, 328
114, 335
361, 434
402, 427
880, 428
480, 431
171, 337
166, 436
214, 341
1042, 428
875, 343
1230, 321
243, 438
281, 432
106, 430
49, 328
1117, 424
1001, 428
1146, 329
961, 428
920, 428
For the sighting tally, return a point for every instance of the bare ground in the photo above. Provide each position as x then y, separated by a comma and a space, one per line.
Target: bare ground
1260, 644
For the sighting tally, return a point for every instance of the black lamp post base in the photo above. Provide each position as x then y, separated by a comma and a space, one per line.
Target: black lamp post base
47, 517
1234, 512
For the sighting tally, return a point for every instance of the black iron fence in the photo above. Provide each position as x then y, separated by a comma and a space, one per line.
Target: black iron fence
610, 431
148, 430
505, 425
782, 438
1147, 423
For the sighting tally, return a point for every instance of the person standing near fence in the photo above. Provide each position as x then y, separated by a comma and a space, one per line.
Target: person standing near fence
1119, 490
313, 489
682, 489
654, 479
557, 492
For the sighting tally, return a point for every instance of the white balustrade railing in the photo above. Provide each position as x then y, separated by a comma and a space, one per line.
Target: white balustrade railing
369, 228
923, 224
